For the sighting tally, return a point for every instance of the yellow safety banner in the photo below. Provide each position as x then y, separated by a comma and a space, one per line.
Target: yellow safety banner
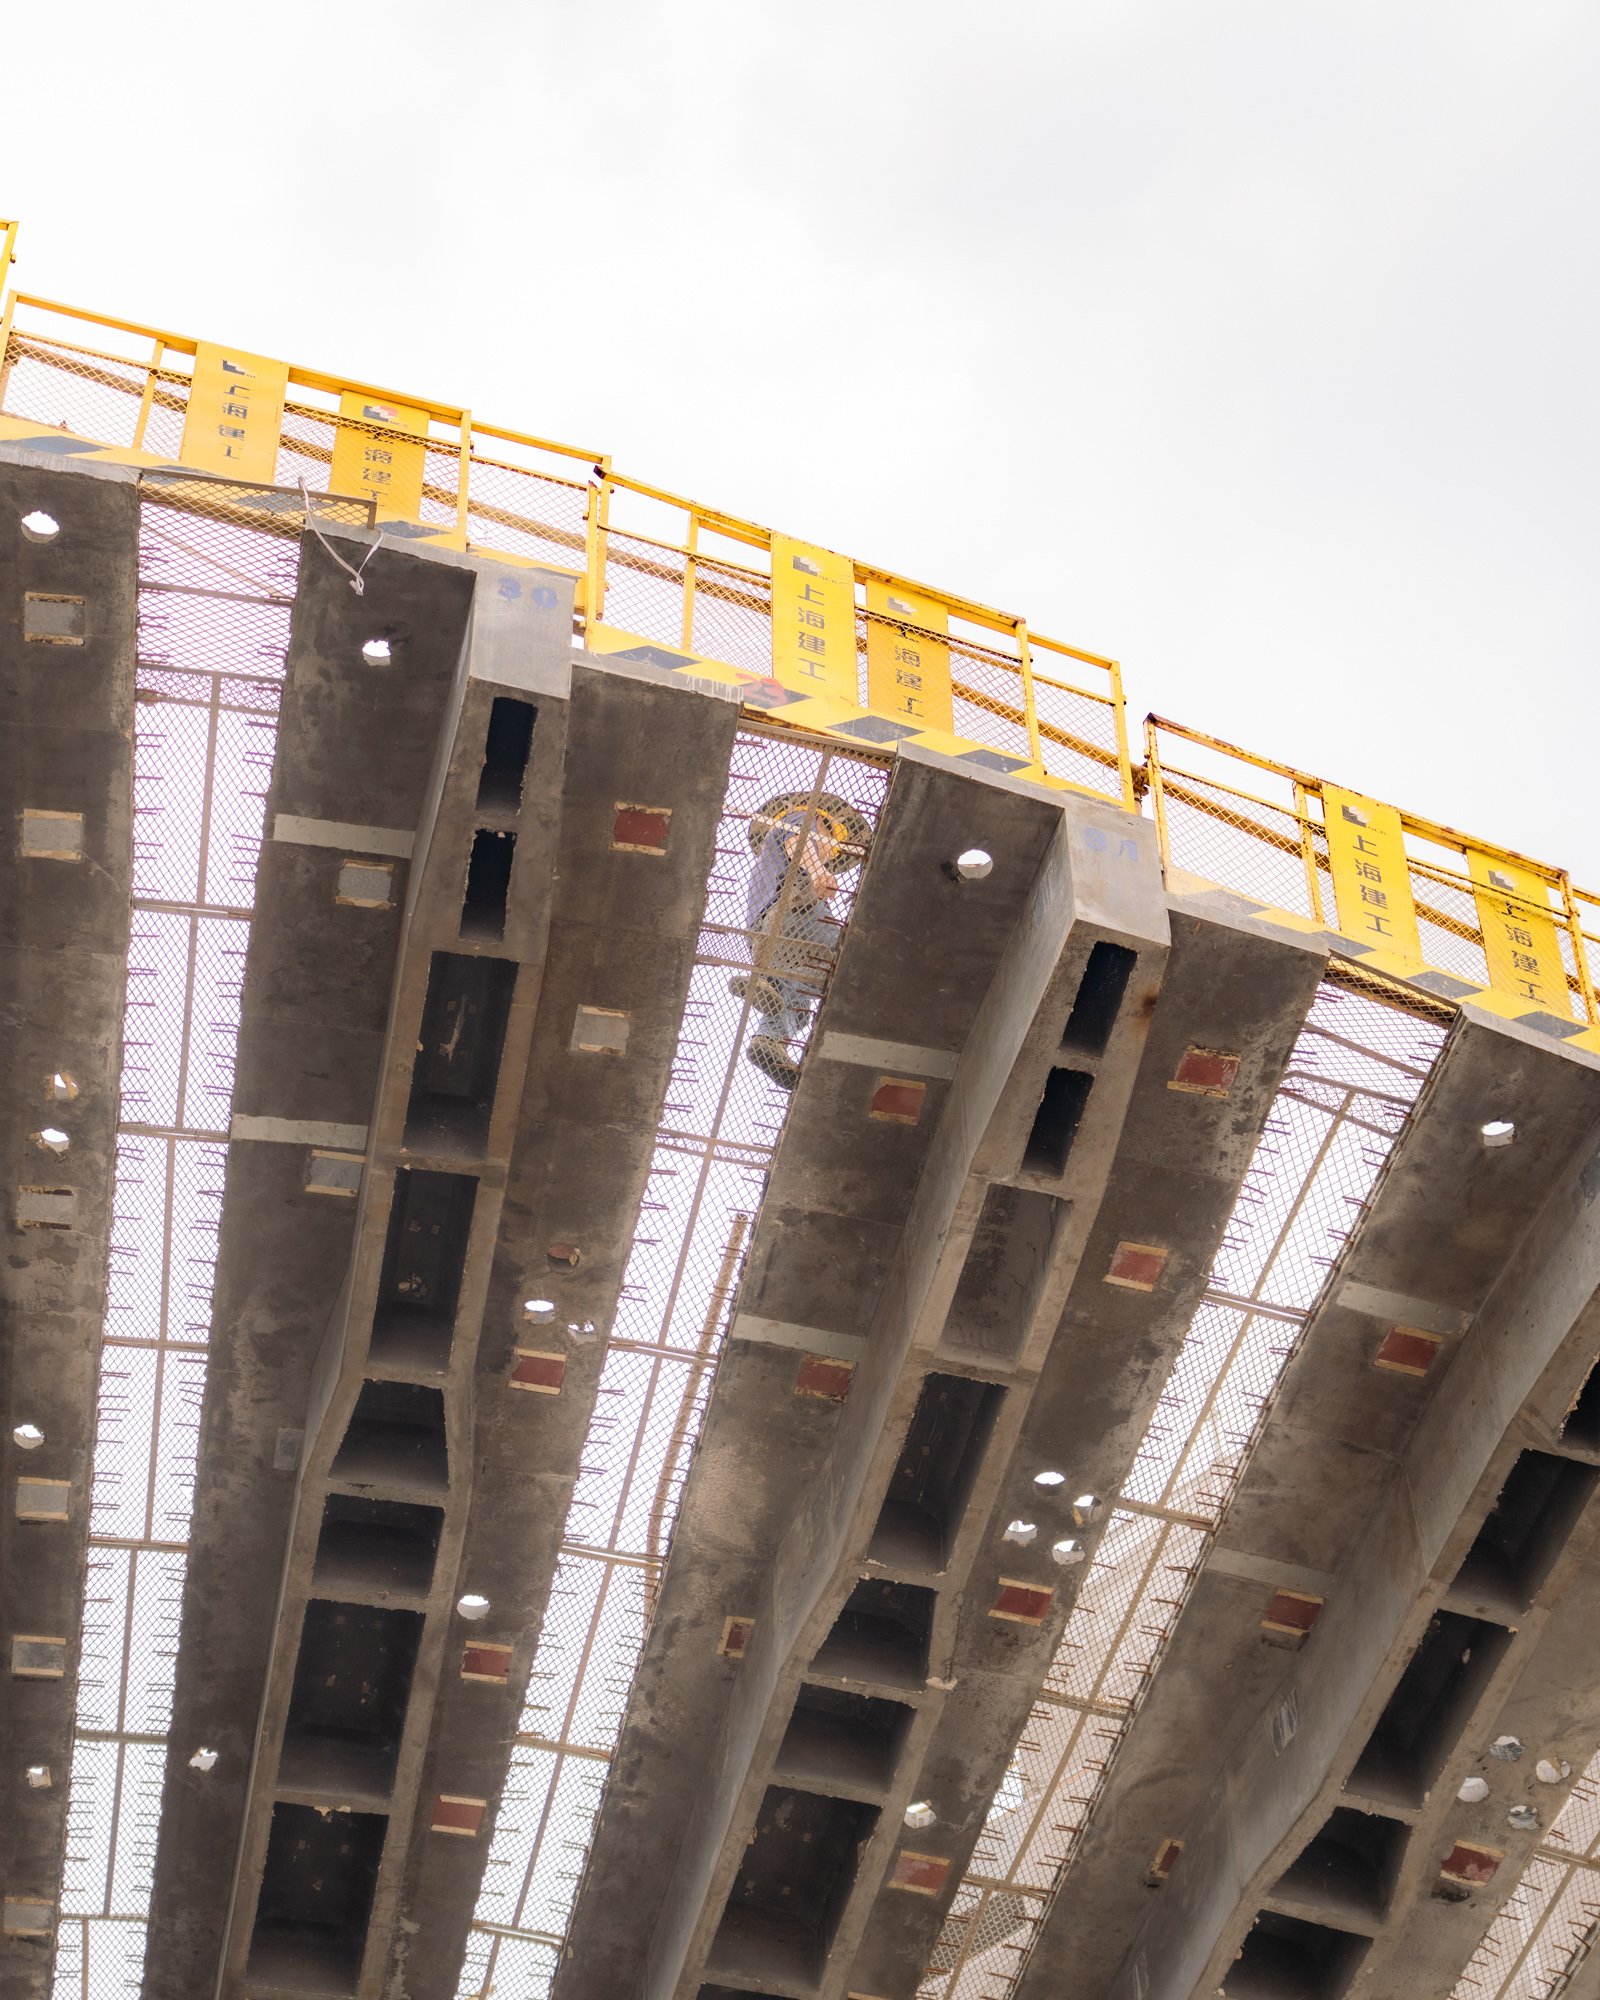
378, 454
235, 413
1367, 853
908, 668
1519, 933
813, 620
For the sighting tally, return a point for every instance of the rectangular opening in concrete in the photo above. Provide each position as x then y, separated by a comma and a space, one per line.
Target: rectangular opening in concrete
1056, 1122
1442, 1684
1099, 995
316, 1896
1582, 1427
430, 1220
395, 1438
1000, 1281
881, 1636
1525, 1532
1285, 1958
841, 1742
1347, 1873
794, 1878
935, 1472
375, 1548
505, 753
458, 1056
483, 907
347, 1704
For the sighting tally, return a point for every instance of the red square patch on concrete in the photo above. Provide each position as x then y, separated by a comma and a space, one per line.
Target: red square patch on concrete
641, 829
457, 1815
826, 1380
539, 1372
1022, 1603
922, 1874
1471, 1865
1407, 1350
1166, 1859
1205, 1073
487, 1663
898, 1100
1291, 1615
735, 1640
1136, 1267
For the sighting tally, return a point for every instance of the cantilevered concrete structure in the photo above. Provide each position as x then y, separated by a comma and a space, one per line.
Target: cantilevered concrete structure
1090, 1491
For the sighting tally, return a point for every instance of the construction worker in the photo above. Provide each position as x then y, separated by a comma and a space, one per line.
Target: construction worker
801, 844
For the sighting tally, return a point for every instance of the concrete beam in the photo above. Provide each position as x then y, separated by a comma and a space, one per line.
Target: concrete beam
67, 649
624, 930
1508, 1243
357, 745
1095, 887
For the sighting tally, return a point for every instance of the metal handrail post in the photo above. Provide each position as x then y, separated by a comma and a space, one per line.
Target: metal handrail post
1158, 799
1308, 852
1580, 955
691, 549
596, 526
158, 351
1029, 710
1119, 716
464, 474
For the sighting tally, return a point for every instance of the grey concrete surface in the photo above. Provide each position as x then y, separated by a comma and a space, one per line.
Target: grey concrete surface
1383, 1480
354, 746
66, 726
1095, 885
741, 1850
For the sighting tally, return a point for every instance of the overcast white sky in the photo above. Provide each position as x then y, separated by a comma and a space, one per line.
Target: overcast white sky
1250, 341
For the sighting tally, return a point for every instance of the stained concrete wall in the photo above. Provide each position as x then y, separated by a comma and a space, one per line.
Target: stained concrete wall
357, 747
1370, 1486
66, 726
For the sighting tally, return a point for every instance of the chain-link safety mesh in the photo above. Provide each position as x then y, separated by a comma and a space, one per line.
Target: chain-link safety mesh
217, 574
667, 592
1357, 1070
1277, 855
719, 1126
1550, 1923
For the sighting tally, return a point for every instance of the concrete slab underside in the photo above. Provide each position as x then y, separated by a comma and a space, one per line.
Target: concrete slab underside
966, 1243
1087, 1386
1377, 1483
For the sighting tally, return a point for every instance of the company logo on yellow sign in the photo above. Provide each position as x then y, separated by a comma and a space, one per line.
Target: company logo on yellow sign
379, 454
1519, 933
908, 661
235, 413
813, 619
1367, 856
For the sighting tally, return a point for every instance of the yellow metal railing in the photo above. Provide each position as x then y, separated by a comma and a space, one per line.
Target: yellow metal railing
653, 569
1216, 820
645, 561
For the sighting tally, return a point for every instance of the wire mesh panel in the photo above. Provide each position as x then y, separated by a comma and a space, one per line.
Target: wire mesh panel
213, 625
646, 583
720, 1122
527, 514
73, 389
1357, 1068
1078, 735
1550, 1923
708, 591
1276, 852
1241, 842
